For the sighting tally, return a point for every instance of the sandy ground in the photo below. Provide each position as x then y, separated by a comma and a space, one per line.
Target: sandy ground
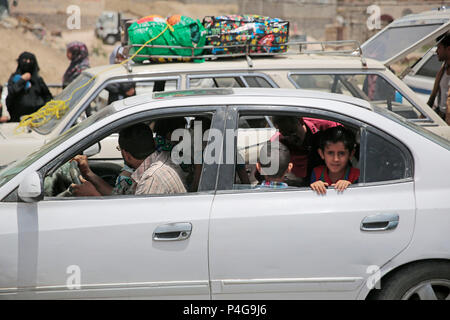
51, 14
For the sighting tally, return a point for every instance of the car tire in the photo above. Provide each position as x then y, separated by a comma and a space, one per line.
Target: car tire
110, 39
420, 281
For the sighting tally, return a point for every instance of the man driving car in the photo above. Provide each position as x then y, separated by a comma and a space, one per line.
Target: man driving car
146, 170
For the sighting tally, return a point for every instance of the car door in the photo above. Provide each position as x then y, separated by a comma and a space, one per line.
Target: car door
294, 244
151, 246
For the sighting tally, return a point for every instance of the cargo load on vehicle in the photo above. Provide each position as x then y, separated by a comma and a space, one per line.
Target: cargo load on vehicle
262, 34
182, 31
181, 38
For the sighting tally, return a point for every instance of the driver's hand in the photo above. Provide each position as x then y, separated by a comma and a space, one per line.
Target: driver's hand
84, 189
83, 164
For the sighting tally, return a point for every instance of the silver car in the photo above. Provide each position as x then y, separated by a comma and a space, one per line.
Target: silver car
385, 237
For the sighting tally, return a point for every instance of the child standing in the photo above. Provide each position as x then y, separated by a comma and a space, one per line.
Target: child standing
336, 147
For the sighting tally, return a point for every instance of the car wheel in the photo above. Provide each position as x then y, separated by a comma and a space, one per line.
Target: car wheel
422, 281
110, 39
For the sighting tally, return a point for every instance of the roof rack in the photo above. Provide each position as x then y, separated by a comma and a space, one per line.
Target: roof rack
246, 50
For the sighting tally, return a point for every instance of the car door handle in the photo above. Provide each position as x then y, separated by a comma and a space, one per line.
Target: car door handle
380, 222
173, 231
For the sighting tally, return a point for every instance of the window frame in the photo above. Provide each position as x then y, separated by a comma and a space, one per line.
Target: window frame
226, 174
208, 179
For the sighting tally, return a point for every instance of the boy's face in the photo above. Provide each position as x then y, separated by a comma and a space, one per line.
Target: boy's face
336, 156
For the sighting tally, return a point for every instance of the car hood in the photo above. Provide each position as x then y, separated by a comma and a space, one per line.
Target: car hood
405, 35
15, 145
8, 131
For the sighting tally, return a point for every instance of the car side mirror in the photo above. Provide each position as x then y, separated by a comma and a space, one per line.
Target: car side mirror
31, 188
92, 150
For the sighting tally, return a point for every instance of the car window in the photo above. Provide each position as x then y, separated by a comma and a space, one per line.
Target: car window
229, 82
174, 149
385, 160
257, 82
430, 68
81, 84
376, 156
370, 87
119, 90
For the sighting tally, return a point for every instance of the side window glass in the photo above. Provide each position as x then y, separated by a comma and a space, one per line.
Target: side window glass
257, 82
431, 67
120, 90
229, 82
370, 87
385, 161
109, 164
291, 139
216, 82
313, 82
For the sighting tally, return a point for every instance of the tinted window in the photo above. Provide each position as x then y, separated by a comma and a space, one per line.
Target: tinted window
229, 82
385, 160
257, 82
431, 67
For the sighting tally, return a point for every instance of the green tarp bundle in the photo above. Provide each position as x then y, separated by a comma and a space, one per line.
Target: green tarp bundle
184, 31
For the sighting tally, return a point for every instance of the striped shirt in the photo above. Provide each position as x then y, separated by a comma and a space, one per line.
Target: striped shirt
158, 175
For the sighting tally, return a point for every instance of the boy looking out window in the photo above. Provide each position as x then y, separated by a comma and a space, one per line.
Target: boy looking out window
336, 147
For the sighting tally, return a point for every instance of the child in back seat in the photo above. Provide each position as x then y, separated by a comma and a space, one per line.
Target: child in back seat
336, 147
273, 164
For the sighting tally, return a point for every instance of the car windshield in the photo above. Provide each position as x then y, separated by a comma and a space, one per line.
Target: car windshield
412, 126
80, 82
18, 166
394, 40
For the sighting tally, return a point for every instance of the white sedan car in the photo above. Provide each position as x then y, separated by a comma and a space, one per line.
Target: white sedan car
385, 237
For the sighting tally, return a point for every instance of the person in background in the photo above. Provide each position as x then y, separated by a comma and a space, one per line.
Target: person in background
3, 116
77, 53
441, 83
117, 55
27, 91
119, 90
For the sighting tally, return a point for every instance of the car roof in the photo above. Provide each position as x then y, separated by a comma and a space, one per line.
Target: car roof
220, 93
288, 62
430, 15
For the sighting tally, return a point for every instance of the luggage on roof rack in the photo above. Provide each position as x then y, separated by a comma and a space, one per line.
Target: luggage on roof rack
246, 34
239, 48
184, 33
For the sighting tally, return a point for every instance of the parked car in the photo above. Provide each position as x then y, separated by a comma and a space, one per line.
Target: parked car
234, 241
108, 27
327, 72
408, 34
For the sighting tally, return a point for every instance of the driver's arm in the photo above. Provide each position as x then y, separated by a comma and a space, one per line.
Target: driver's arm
102, 187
